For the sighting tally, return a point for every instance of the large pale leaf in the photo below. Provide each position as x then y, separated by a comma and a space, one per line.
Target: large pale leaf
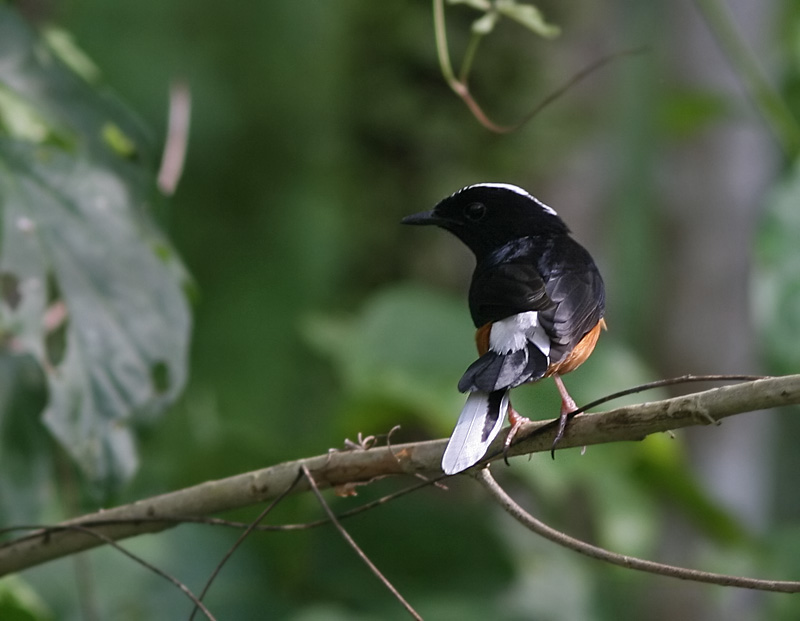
90, 288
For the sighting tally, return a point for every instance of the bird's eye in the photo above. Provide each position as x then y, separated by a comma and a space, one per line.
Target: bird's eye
474, 211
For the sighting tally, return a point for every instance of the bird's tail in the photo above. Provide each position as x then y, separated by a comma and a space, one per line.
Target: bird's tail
479, 423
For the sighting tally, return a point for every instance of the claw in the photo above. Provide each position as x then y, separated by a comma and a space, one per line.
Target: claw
517, 420
567, 407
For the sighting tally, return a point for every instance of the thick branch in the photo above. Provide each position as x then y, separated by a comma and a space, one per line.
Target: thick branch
359, 466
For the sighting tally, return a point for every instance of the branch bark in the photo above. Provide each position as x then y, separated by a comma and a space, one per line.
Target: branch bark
630, 423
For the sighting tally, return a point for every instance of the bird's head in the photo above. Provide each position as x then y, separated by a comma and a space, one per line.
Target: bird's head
486, 216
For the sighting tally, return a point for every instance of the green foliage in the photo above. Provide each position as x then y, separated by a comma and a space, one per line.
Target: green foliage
91, 288
405, 348
315, 127
18, 602
526, 15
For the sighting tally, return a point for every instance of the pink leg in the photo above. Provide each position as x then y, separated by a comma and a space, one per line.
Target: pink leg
517, 420
567, 407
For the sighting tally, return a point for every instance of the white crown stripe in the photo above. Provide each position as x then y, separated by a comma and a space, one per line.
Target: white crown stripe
512, 188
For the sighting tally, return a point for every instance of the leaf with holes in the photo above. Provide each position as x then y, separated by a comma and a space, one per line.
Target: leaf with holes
88, 285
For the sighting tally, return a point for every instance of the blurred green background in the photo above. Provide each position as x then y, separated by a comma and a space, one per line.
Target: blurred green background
315, 127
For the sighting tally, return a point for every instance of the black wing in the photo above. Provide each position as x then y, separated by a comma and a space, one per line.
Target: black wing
578, 295
505, 289
560, 281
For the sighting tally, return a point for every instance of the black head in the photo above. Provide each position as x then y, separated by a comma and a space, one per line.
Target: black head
488, 215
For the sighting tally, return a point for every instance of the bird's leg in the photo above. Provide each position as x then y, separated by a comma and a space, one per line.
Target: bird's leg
517, 420
567, 407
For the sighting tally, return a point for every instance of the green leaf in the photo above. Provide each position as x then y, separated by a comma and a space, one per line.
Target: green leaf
90, 288
484, 25
408, 346
524, 14
481, 5
19, 602
20, 120
528, 16
115, 138
64, 46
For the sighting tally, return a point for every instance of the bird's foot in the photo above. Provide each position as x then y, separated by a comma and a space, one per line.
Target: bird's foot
517, 420
567, 408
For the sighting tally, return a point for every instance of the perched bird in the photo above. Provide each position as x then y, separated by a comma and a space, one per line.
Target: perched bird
536, 299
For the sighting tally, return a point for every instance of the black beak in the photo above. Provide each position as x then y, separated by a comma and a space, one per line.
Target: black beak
423, 217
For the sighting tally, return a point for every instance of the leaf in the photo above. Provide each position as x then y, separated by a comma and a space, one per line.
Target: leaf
63, 45
90, 287
481, 5
524, 14
407, 346
484, 25
19, 120
19, 602
529, 16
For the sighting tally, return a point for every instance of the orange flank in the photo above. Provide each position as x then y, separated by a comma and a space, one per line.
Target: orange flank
579, 353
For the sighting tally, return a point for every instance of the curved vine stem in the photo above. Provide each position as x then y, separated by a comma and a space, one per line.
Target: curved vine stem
459, 84
540, 528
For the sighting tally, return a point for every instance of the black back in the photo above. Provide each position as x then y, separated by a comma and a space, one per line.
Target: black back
526, 261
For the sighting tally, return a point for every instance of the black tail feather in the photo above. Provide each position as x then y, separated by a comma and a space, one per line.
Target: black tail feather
494, 371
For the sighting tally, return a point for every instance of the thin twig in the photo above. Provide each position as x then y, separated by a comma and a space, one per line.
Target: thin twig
575, 79
242, 537
459, 88
351, 542
683, 379
50, 529
459, 85
182, 587
174, 156
672, 381
630, 562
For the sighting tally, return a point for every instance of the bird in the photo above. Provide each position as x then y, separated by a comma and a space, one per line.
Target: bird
537, 300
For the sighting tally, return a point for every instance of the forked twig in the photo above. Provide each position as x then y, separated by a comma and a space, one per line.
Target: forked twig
630, 562
460, 86
182, 587
351, 542
242, 537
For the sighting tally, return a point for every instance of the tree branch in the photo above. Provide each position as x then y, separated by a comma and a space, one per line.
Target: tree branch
631, 562
628, 423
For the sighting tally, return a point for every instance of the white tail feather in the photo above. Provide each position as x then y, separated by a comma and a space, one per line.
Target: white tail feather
470, 440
